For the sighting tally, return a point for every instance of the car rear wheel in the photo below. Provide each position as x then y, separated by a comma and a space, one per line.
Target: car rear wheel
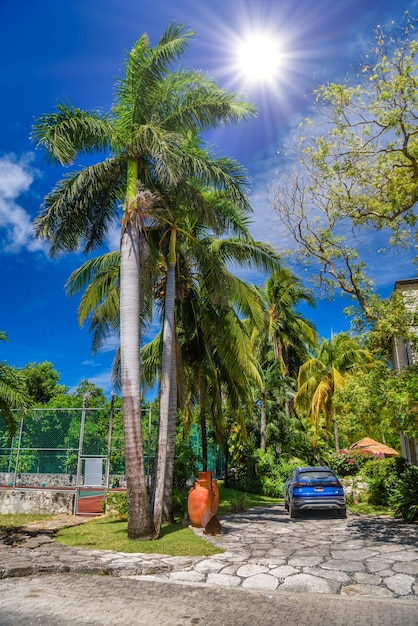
292, 512
342, 513
286, 505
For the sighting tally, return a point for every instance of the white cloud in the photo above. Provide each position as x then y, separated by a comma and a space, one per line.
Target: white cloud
16, 225
103, 381
113, 238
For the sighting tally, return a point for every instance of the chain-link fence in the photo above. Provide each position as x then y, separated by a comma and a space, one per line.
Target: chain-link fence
57, 447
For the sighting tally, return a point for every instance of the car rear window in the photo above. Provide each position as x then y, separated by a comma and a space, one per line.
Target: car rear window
314, 475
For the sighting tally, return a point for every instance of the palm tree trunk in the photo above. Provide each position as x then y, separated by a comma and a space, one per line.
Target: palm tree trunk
166, 382
203, 429
263, 422
336, 433
140, 523
168, 515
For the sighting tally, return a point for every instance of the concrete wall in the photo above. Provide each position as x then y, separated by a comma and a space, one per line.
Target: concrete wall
36, 501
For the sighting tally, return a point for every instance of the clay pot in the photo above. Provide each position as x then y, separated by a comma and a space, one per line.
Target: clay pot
203, 499
198, 504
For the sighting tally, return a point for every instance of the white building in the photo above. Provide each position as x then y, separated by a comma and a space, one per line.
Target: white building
404, 355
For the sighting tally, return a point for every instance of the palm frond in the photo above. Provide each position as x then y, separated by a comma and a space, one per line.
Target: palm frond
70, 131
81, 207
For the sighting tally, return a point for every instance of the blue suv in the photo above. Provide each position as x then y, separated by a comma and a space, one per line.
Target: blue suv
316, 488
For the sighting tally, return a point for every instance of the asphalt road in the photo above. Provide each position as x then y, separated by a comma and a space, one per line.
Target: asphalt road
72, 599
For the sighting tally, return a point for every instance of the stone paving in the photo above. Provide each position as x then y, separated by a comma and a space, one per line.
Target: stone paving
312, 571
264, 549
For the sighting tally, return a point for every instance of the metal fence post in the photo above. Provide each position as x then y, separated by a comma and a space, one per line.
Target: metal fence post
109, 443
80, 451
18, 451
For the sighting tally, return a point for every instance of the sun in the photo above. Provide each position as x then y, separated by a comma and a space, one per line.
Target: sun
259, 58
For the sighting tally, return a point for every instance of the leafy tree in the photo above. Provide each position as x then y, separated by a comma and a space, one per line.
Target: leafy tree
185, 205
379, 404
356, 172
282, 343
212, 351
42, 382
146, 134
12, 393
322, 375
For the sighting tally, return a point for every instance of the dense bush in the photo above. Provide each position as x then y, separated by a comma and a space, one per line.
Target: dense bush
404, 497
349, 463
264, 474
118, 503
185, 467
382, 477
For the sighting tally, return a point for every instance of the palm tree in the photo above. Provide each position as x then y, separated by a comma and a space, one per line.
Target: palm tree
323, 374
144, 140
11, 397
284, 341
289, 332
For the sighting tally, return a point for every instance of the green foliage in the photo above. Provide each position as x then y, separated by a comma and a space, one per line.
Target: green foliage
321, 376
13, 393
185, 464
393, 317
381, 401
239, 502
185, 467
273, 470
110, 533
42, 382
265, 473
404, 496
382, 477
356, 167
117, 502
349, 463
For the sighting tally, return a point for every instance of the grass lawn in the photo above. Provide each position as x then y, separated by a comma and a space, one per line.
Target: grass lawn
363, 508
15, 520
110, 533
230, 500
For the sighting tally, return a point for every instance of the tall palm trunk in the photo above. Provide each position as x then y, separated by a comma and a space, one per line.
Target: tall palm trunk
204, 434
263, 422
168, 515
166, 384
336, 432
140, 523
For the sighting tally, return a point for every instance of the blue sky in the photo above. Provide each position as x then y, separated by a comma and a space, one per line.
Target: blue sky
53, 51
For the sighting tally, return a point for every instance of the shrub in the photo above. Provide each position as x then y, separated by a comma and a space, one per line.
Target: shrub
185, 467
265, 474
239, 503
117, 502
350, 462
404, 497
382, 478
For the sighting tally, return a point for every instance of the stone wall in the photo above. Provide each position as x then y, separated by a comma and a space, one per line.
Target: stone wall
36, 501
51, 480
355, 490
37, 480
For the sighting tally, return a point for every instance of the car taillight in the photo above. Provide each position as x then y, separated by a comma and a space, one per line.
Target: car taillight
296, 484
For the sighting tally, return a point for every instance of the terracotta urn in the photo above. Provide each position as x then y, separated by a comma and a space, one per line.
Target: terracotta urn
203, 499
